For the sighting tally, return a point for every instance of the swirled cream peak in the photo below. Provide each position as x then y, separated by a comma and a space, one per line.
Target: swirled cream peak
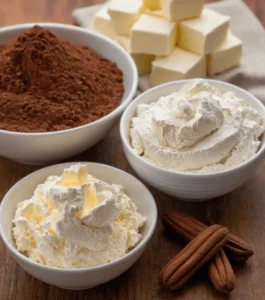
76, 220
180, 123
196, 129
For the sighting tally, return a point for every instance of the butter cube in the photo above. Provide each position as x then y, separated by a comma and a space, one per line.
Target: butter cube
153, 35
228, 55
205, 34
124, 14
180, 64
103, 24
152, 4
143, 62
182, 9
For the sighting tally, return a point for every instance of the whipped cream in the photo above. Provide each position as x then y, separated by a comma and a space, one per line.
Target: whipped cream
76, 220
197, 129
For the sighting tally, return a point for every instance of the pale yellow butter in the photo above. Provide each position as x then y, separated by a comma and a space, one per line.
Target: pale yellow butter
156, 13
103, 24
228, 55
90, 200
182, 9
152, 4
143, 62
124, 14
153, 35
180, 64
205, 34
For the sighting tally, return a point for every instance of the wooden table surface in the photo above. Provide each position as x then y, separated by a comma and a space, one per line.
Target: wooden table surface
243, 211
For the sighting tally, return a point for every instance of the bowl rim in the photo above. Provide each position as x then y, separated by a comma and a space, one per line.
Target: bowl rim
139, 99
141, 244
116, 111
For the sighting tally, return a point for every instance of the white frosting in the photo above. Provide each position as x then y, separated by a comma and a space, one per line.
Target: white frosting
196, 129
76, 220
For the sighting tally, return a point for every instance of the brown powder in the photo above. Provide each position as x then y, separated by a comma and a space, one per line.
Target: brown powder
49, 84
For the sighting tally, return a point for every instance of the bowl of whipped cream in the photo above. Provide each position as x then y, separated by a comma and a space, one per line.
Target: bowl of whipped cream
78, 225
194, 139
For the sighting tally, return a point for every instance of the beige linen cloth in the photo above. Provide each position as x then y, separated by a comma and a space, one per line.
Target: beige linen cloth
244, 24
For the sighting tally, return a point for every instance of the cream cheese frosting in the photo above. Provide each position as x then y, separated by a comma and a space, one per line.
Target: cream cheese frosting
197, 129
76, 220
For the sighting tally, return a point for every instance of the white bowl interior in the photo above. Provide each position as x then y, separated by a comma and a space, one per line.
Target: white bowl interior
24, 190
154, 94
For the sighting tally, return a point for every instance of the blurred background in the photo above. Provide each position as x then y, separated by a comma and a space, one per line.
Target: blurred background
21, 11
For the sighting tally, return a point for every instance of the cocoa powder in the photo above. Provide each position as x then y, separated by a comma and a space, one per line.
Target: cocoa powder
50, 84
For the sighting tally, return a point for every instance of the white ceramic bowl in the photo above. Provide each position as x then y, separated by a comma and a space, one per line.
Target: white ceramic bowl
81, 278
195, 187
44, 148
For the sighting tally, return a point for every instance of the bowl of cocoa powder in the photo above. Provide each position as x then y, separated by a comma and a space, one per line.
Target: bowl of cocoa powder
61, 90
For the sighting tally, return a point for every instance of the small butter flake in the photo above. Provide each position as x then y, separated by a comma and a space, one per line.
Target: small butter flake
75, 175
90, 200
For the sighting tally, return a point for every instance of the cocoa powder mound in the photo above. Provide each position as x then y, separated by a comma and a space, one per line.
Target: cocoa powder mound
50, 84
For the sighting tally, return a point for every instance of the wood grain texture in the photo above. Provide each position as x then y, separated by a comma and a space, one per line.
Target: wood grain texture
242, 211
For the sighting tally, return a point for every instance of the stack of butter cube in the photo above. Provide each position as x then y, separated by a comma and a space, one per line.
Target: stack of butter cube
171, 39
